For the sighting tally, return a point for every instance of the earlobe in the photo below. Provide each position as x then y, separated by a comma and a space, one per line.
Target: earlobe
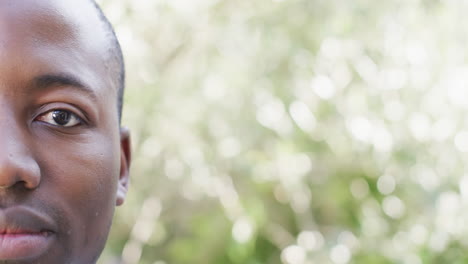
125, 159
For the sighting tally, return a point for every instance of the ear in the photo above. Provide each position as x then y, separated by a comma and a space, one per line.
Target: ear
125, 159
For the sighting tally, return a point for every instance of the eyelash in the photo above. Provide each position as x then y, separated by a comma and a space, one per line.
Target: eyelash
51, 116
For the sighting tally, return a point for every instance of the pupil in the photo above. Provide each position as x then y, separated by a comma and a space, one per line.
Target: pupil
61, 117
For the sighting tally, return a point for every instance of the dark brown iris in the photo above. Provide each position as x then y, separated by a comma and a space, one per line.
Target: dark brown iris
61, 117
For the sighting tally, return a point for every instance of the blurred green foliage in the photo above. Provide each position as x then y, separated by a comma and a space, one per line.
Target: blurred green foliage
294, 131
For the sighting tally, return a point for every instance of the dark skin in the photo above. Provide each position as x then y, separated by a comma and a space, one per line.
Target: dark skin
64, 158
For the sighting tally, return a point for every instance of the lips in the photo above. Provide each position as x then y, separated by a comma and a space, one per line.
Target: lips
24, 233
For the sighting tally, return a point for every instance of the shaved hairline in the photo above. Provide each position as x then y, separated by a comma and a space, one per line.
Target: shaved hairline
114, 58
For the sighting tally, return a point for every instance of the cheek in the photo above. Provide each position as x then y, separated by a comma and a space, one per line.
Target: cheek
83, 175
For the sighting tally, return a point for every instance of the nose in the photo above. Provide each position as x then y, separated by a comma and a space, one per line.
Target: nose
18, 170
17, 164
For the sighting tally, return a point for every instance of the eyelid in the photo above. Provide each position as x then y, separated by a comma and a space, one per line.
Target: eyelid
43, 118
77, 112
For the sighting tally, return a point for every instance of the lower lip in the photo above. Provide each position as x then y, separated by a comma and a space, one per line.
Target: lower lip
23, 246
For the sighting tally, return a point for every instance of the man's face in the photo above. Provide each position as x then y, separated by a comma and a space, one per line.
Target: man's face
63, 159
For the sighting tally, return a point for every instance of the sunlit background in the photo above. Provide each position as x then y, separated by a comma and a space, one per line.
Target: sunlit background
294, 132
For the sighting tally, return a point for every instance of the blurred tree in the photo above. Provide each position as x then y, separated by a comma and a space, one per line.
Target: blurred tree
294, 131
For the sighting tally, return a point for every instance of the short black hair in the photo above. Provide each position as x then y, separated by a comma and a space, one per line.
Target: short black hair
115, 58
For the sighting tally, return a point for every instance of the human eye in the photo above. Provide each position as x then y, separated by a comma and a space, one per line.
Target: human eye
60, 117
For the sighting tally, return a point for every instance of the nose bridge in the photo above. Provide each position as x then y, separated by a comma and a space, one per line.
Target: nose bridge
17, 164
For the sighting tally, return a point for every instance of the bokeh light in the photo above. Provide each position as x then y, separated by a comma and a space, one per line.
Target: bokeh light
294, 132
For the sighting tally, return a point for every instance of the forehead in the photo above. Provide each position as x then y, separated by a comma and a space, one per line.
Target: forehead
55, 20
51, 36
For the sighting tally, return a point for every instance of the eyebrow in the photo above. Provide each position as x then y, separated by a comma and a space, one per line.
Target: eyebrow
60, 80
